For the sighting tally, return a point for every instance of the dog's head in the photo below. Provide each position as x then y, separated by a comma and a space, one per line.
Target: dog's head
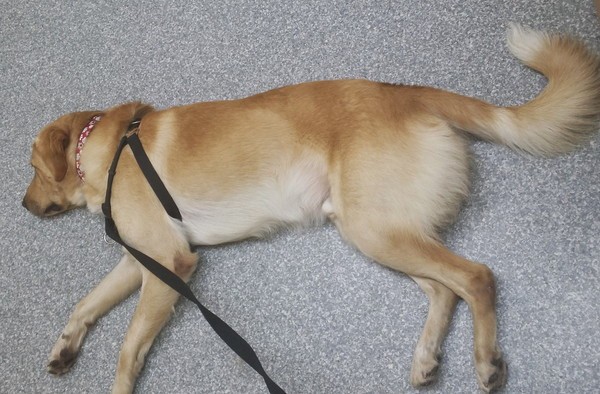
56, 187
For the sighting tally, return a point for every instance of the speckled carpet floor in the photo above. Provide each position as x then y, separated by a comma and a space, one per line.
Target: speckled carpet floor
322, 318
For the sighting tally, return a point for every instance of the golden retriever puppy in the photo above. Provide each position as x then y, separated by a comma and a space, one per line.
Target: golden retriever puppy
387, 164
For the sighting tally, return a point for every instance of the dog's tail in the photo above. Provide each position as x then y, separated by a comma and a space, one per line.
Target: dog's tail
564, 114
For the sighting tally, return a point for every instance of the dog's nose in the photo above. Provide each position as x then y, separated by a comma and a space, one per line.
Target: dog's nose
24, 204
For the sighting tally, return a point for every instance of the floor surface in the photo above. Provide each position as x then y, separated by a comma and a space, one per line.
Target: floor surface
322, 318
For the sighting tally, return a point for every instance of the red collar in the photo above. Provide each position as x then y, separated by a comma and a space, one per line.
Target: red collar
82, 138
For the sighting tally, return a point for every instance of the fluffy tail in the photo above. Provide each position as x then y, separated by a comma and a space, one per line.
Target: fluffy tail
564, 114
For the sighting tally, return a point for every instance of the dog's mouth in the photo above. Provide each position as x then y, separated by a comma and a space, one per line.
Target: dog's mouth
53, 209
50, 210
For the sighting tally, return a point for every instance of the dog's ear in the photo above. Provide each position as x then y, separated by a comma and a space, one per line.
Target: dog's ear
53, 142
56, 143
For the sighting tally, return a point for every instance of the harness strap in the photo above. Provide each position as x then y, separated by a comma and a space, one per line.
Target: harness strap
153, 179
238, 344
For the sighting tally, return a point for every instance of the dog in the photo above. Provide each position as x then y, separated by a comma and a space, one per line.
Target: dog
388, 164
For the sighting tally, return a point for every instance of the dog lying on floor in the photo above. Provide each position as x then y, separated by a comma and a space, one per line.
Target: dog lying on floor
386, 163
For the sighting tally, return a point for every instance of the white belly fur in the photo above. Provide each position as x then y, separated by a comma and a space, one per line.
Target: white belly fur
292, 197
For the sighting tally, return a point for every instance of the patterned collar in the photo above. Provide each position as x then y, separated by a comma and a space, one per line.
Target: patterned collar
82, 138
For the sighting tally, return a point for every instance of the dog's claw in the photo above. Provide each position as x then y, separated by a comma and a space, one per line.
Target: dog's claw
497, 377
426, 377
62, 364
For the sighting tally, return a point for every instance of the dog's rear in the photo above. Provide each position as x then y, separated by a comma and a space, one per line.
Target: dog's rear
422, 175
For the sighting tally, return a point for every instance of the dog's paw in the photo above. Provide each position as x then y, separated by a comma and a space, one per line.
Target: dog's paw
493, 375
61, 364
64, 353
424, 371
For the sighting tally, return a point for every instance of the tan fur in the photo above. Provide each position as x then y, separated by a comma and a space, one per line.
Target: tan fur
384, 162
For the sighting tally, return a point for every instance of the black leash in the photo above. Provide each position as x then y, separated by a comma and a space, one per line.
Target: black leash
227, 334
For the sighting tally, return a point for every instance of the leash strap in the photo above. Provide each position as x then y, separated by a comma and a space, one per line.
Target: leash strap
238, 344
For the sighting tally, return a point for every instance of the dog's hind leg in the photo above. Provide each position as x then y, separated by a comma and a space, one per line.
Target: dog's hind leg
427, 355
419, 256
391, 190
125, 278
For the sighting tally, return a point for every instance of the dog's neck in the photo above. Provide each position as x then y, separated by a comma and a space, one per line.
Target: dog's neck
81, 142
95, 158
100, 146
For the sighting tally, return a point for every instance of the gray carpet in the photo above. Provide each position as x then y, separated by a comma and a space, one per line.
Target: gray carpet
322, 318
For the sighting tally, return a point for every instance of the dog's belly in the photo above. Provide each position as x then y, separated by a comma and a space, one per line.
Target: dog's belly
294, 197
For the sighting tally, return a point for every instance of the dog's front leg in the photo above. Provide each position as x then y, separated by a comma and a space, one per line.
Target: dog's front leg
116, 286
153, 311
